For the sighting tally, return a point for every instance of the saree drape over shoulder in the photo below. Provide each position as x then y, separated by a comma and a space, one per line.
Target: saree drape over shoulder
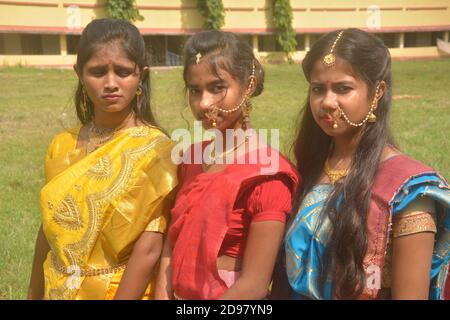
400, 181
95, 206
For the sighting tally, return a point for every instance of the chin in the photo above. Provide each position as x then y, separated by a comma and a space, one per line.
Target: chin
114, 108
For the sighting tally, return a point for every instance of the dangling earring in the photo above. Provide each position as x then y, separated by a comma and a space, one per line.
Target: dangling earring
246, 114
84, 104
139, 90
138, 96
372, 117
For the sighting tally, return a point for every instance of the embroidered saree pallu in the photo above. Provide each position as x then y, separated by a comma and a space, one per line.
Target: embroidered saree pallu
95, 206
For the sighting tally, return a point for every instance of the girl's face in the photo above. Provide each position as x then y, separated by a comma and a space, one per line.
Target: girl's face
207, 90
111, 80
335, 86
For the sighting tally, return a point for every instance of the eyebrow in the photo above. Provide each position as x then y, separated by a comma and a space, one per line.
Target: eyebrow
115, 65
316, 83
212, 83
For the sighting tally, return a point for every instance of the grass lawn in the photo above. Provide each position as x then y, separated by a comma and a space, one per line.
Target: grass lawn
32, 102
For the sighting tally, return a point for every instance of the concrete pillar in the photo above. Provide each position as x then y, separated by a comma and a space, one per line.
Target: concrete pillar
62, 45
307, 42
255, 43
401, 43
446, 36
166, 50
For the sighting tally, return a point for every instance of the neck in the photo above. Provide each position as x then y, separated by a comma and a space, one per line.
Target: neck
112, 120
343, 151
237, 126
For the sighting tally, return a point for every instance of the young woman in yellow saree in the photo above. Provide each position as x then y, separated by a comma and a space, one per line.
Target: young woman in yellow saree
109, 182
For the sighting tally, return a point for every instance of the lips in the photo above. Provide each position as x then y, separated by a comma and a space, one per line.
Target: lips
111, 97
327, 118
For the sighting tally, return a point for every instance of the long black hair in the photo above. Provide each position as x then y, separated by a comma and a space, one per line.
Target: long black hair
103, 31
370, 60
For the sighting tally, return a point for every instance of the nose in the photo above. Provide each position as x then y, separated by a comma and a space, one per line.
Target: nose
110, 82
206, 101
329, 101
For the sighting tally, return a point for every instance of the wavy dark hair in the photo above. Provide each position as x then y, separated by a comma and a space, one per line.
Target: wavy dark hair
227, 51
370, 61
103, 31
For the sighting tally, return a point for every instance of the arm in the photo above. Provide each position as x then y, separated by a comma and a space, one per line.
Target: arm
414, 232
411, 264
163, 287
263, 242
36, 287
145, 254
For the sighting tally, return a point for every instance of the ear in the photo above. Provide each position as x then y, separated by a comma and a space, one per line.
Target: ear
145, 72
381, 90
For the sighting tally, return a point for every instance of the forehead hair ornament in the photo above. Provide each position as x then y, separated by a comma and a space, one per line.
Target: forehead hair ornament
330, 58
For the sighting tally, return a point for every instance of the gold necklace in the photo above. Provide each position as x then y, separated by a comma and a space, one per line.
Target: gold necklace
334, 175
222, 154
98, 136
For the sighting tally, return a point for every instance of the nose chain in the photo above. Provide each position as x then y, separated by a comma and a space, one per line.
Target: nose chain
370, 116
212, 113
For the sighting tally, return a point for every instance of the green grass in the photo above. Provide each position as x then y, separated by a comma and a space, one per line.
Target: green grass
33, 100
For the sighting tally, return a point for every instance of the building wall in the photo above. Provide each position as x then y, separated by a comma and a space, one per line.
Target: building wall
403, 24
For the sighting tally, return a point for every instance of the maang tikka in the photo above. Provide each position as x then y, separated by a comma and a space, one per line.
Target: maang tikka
330, 59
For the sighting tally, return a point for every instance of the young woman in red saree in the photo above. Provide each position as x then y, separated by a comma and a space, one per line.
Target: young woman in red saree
229, 218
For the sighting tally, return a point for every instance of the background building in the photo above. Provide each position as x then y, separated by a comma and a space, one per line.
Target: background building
46, 33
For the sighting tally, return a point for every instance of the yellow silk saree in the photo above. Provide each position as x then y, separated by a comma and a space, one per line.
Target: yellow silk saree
95, 206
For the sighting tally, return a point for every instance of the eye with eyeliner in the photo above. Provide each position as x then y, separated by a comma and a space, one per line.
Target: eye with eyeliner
123, 72
343, 89
218, 88
315, 89
97, 71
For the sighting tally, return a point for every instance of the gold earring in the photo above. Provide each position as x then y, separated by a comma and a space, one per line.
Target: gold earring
246, 114
84, 104
372, 117
139, 90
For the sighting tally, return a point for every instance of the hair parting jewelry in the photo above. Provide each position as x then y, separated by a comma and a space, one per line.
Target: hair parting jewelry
330, 59
370, 117
214, 111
